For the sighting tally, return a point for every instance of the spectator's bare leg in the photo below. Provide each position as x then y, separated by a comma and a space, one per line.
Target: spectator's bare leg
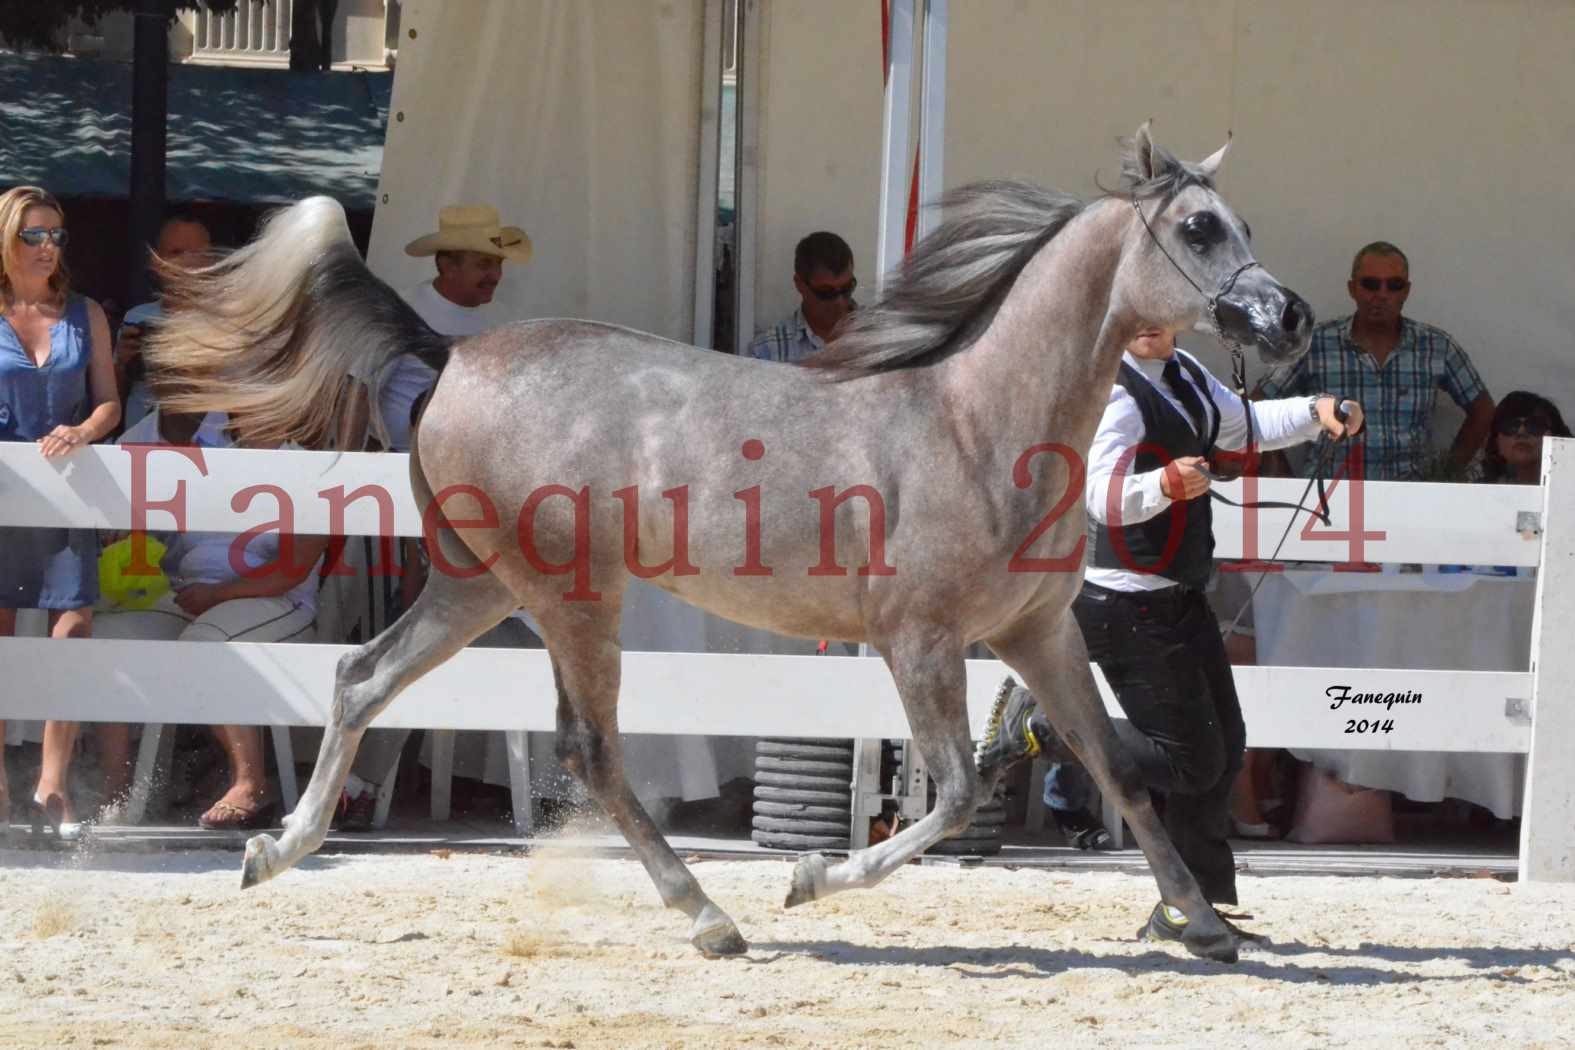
243, 749
60, 738
53, 792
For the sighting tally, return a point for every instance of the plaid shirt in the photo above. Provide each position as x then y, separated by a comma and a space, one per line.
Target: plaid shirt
1397, 397
791, 340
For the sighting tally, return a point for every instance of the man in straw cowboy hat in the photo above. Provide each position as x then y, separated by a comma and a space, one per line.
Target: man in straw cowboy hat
470, 247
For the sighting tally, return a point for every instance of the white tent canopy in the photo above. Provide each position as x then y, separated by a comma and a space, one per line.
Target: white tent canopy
1445, 129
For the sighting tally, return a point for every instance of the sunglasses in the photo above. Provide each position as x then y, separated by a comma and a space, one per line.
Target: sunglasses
33, 236
1525, 424
1394, 284
827, 295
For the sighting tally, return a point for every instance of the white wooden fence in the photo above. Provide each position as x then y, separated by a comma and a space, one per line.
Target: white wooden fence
730, 694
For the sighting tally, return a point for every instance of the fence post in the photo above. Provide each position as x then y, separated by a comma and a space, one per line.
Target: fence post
1547, 823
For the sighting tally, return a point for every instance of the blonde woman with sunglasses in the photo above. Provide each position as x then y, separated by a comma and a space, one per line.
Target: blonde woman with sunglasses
57, 390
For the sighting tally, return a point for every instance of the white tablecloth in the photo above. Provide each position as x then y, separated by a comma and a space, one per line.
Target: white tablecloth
1427, 620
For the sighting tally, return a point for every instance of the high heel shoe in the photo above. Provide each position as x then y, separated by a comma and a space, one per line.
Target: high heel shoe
48, 814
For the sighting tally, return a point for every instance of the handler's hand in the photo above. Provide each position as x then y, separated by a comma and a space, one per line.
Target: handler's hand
1337, 429
1183, 480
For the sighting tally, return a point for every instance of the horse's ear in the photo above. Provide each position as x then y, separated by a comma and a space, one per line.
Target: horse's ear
1210, 165
1144, 153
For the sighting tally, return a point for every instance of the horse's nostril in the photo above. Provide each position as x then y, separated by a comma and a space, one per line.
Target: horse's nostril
1291, 319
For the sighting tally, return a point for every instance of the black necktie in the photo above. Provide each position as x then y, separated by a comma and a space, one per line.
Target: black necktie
1188, 397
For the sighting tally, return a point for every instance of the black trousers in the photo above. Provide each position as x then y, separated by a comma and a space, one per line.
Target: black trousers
1162, 655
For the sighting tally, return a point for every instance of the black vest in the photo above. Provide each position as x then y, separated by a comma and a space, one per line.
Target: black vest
1140, 547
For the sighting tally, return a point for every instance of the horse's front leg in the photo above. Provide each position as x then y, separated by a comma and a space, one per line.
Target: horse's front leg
927, 664
1049, 653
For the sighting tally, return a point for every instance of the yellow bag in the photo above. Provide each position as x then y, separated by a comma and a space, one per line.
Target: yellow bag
116, 583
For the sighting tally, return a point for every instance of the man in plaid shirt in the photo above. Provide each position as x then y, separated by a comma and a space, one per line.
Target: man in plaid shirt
1393, 367
823, 278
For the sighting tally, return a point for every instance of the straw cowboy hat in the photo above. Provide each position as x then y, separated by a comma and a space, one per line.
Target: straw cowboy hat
473, 228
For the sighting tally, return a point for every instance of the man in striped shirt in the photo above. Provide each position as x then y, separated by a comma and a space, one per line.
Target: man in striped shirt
823, 278
1394, 367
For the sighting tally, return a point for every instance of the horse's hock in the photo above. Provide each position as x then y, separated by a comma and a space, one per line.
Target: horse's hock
804, 800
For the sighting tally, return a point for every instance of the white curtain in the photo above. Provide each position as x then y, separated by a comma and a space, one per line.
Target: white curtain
579, 120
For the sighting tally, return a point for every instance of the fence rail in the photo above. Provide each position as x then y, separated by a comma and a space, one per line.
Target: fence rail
730, 694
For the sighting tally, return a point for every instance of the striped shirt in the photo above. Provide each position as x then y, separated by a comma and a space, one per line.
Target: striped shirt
1397, 397
791, 340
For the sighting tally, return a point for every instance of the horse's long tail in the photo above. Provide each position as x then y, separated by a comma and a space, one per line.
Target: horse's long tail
279, 333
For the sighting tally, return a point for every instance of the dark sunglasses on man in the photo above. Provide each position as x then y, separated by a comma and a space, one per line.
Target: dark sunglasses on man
1525, 424
33, 236
1393, 284
841, 291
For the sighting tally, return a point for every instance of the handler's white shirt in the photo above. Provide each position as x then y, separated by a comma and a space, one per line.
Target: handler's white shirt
1276, 424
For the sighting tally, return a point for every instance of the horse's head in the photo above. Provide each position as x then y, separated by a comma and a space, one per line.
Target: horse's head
1189, 261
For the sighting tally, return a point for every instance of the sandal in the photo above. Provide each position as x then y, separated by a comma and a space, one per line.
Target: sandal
1083, 831
227, 816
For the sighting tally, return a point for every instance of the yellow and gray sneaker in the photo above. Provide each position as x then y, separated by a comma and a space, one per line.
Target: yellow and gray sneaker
1015, 731
1166, 923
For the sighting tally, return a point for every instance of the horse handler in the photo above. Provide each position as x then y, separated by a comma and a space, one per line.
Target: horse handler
1142, 611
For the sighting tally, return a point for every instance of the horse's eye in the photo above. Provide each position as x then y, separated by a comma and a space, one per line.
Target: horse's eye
1202, 230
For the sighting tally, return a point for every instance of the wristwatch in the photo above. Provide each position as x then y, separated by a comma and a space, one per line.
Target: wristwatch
1312, 406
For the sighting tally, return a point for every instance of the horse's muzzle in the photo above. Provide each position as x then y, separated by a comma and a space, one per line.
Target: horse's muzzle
1268, 315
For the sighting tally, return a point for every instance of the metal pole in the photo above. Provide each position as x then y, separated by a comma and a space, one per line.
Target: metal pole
149, 92
932, 116
895, 158
751, 19
705, 193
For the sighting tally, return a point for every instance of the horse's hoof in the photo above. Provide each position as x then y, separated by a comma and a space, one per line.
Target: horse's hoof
719, 940
809, 880
257, 866
1221, 946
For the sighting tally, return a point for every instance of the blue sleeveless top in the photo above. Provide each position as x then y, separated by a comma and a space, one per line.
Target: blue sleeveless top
35, 399
47, 568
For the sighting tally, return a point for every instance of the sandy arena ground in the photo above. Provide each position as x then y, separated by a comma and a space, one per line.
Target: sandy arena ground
562, 950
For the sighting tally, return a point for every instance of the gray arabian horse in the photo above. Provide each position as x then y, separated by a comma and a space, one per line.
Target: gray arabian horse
999, 337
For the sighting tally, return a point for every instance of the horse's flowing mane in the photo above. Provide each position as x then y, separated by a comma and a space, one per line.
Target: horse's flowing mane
947, 290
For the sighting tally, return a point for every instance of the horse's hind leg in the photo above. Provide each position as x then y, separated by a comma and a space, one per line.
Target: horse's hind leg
1048, 652
586, 672
931, 677
448, 615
